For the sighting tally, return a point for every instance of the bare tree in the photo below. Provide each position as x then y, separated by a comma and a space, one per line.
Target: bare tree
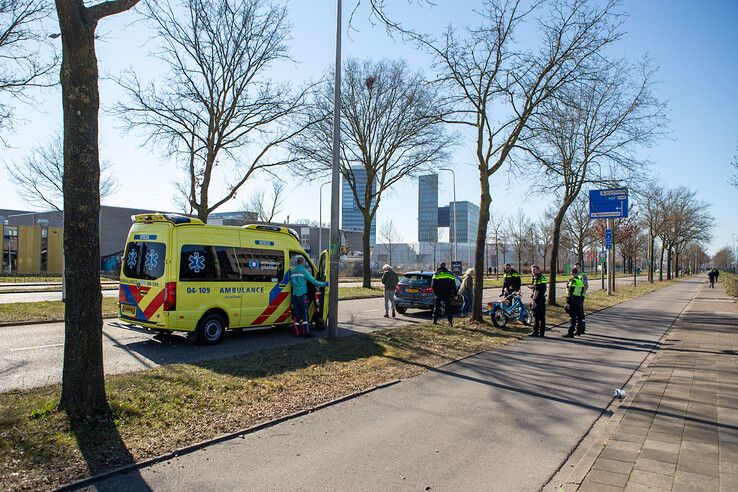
22, 39
496, 86
39, 176
653, 217
390, 235
543, 230
266, 207
588, 134
390, 130
734, 178
724, 258
577, 225
216, 110
83, 382
496, 235
518, 230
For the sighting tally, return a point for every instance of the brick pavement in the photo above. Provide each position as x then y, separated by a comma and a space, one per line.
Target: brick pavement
679, 430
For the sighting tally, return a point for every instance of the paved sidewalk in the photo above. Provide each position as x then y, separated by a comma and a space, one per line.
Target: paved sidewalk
502, 420
679, 430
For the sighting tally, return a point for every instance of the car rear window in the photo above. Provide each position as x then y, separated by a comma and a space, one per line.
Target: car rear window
144, 260
416, 280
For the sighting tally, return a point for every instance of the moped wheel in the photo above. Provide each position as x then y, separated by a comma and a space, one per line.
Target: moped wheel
498, 317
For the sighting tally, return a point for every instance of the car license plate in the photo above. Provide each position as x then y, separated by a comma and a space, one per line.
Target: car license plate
412, 291
128, 310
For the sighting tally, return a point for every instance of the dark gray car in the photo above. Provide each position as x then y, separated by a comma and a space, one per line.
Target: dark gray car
414, 291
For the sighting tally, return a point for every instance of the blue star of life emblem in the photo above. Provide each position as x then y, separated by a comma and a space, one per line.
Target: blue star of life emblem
132, 257
152, 258
196, 262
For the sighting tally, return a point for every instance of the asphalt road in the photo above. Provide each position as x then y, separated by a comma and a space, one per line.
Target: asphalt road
501, 420
33, 354
11, 298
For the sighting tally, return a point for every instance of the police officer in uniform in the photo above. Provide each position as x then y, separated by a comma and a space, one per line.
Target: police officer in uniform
511, 281
540, 283
444, 288
575, 303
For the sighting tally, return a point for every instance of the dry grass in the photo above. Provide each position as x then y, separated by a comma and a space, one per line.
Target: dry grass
731, 283
164, 409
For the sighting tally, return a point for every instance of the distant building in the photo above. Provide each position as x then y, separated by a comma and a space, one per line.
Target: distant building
467, 221
428, 208
351, 217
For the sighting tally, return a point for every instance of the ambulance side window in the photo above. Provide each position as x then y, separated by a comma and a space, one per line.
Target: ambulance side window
208, 264
260, 265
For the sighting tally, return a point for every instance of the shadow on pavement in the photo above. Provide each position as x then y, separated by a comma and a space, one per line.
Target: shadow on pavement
103, 449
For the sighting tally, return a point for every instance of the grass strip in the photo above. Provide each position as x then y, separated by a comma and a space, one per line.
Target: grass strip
50, 311
731, 283
166, 408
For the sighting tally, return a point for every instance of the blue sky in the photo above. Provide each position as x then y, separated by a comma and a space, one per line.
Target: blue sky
693, 43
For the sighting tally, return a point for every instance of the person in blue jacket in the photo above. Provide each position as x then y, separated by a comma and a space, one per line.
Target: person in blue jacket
299, 277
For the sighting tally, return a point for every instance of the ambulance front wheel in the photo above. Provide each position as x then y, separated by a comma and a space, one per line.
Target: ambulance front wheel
210, 330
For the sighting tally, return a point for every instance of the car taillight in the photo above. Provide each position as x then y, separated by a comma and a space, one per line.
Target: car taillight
170, 296
398, 290
427, 290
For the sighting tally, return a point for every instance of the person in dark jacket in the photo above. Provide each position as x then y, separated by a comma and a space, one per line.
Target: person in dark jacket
711, 276
540, 283
389, 280
575, 304
717, 275
444, 288
511, 281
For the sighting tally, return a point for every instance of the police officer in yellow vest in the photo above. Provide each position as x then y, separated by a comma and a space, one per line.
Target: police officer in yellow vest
575, 303
540, 283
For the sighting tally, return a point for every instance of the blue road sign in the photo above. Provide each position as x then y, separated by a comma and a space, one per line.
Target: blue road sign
608, 204
608, 238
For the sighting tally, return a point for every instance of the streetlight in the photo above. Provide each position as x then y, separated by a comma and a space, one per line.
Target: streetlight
320, 220
456, 229
335, 233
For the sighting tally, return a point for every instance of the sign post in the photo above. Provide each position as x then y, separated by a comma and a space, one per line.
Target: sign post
609, 204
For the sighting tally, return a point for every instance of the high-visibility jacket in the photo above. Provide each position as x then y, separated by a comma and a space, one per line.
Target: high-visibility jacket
511, 281
444, 283
575, 285
540, 283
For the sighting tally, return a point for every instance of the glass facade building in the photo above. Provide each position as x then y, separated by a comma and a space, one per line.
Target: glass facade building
467, 220
351, 218
428, 208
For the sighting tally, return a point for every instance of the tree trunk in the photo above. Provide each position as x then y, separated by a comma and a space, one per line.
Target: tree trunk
668, 263
650, 257
661, 264
554, 262
484, 204
366, 250
676, 263
83, 383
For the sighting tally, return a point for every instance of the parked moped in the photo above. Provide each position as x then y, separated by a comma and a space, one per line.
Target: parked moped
501, 312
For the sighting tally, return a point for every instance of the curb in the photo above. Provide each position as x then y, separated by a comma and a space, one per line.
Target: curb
225, 437
596, 437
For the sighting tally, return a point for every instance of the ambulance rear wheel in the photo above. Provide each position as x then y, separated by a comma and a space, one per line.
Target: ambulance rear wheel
401, 310
210, 330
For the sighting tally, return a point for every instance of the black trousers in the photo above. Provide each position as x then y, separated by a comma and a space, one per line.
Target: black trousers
442, 303
539, 313
576, 312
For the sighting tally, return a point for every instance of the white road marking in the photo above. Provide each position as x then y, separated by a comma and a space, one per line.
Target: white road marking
36, 347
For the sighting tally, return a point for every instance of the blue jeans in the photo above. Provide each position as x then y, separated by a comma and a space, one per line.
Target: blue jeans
468, 303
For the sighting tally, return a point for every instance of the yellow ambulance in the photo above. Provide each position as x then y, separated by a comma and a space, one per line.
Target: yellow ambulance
179, 274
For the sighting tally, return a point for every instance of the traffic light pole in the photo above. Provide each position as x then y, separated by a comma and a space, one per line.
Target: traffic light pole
610, 263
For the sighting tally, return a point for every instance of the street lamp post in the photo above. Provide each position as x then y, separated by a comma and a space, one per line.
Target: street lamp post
335, 233
456, 229
320, 219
